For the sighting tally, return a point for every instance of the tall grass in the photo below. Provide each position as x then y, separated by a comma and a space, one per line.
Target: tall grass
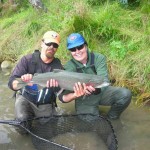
120, 33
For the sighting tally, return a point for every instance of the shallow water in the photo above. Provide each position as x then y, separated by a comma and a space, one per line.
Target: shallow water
89, 141
132, 130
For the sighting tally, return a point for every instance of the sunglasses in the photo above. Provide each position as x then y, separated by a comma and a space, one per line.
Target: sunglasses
55, 45
75, 48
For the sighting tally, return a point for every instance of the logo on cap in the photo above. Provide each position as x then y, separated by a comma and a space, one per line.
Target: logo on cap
54, 35
73, 37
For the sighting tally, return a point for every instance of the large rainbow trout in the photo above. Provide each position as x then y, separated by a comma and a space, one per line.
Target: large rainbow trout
66, 79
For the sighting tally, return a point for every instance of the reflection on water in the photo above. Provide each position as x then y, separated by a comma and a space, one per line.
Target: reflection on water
132, 130
86, 141
135, 133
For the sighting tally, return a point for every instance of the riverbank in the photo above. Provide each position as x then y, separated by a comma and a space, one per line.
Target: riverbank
119, 32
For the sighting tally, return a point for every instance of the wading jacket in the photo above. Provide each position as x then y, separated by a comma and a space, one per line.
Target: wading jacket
100, 67
31, 64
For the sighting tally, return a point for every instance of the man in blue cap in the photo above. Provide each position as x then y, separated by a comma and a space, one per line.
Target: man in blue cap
92, 63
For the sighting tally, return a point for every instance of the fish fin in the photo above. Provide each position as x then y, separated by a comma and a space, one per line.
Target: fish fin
36, 74
57, 70
104, 84
20, 84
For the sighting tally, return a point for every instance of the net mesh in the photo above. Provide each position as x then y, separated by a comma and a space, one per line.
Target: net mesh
67, 131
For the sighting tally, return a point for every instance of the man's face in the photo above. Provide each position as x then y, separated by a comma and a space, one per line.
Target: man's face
49, 49
80, 53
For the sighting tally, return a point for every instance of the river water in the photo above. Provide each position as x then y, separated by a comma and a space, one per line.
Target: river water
132, 130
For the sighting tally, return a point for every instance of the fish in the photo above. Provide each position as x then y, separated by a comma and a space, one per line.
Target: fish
67, 79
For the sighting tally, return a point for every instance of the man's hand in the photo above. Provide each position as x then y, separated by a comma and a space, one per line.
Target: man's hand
51, 83
89, 90
82, 89
79, 89
24, 78
27, 78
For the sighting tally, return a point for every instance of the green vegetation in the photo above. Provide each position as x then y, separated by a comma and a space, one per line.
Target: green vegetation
121, 32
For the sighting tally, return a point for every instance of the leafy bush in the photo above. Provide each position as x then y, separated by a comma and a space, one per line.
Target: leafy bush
117, 50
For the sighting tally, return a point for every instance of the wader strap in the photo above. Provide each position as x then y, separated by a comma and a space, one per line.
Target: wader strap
35, 67
92, 63
34, 62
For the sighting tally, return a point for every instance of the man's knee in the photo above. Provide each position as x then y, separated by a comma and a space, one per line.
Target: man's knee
21, 117
124, 96
24, 127
126, 93
122, 100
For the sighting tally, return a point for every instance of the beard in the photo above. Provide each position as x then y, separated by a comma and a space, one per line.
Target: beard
50, 55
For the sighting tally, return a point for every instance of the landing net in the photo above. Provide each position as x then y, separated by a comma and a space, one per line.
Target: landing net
74, 132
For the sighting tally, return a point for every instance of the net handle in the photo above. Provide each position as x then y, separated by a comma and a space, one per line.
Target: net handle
18, 123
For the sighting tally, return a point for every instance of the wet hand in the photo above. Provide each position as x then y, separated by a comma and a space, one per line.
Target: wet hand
51, 83
82, 89
79, 89
27, 78
89, 90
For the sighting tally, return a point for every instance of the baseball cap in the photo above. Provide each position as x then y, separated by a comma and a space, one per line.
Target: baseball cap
51, 36
74, 40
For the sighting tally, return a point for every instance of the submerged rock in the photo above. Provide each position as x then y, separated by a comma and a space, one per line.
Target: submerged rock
6, 67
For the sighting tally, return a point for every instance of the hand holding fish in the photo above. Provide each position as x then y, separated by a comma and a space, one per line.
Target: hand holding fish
89, 90
51, 83
26, 77
79, 89
82, 89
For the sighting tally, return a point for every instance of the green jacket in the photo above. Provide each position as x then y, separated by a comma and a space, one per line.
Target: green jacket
99, 62
90, 103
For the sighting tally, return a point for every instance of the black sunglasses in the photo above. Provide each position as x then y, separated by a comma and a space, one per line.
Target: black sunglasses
55, 45
78, 47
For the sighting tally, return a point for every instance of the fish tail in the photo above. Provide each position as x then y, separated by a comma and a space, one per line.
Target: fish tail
21, 84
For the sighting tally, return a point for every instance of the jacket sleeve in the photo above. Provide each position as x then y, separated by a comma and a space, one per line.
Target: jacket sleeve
101, 66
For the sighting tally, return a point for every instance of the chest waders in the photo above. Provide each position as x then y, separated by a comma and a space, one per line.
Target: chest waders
116, 97
44, 96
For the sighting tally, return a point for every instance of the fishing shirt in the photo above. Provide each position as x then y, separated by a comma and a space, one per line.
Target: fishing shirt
24, 67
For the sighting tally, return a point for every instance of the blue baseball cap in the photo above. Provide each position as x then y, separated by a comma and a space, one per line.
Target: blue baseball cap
74, 40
